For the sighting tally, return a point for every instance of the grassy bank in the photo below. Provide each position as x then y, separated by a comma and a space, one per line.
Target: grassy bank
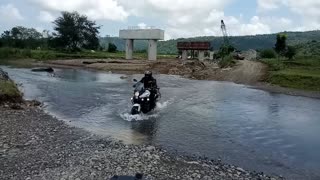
23, 57
9, 92
301, 73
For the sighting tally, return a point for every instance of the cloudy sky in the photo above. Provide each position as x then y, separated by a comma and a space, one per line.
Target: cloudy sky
179, 18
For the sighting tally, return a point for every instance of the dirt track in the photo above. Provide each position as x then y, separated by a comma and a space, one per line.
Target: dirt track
244, 72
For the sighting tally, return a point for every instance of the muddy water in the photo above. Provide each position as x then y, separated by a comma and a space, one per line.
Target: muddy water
251, 128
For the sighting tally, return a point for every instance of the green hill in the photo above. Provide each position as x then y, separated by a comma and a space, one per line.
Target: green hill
311, 48
240, 42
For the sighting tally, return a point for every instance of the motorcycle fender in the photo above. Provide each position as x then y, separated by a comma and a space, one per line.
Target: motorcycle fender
137, 105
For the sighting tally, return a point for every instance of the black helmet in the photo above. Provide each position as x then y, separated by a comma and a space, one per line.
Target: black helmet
148, 74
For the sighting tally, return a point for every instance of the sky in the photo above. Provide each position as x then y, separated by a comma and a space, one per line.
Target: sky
179, 18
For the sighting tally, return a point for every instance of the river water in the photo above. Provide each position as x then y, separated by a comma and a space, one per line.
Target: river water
254, 129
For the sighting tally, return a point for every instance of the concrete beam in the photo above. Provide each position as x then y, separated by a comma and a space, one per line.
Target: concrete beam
142, 34
184, 55
152, 50
129, 49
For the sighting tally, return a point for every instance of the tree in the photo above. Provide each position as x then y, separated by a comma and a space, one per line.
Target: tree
225, 50
281, 44
75, 31
112, 47
290, 52
22, 37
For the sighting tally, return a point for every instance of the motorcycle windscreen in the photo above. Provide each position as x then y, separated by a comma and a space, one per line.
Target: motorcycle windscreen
138, 86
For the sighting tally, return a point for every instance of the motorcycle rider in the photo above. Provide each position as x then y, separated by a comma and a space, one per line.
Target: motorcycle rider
150, 83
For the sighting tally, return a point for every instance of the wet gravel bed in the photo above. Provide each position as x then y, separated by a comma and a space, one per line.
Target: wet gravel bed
34, 145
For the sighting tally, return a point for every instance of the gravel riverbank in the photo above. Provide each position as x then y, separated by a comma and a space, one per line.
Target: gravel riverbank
34, 145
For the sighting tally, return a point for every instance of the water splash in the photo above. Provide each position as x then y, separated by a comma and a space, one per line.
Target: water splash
164, 105
152, 114
137, 117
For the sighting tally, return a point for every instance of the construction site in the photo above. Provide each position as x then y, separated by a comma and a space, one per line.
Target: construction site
196, 60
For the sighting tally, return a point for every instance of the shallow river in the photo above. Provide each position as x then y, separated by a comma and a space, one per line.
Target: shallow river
257, 130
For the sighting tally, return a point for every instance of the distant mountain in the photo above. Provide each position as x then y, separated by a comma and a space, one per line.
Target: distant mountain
257, 42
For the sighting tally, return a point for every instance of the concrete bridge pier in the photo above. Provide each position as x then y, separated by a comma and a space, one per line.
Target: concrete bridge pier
129, 49
152, 50
152, 35
201, 55
184, 55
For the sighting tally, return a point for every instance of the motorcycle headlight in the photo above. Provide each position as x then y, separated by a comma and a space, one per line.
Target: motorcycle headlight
136, 94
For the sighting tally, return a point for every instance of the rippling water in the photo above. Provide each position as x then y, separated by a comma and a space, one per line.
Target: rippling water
251, 128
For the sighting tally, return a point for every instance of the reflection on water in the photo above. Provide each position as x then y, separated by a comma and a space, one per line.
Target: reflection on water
255, 129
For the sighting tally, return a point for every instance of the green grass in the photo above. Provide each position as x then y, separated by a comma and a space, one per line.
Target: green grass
12, 53
24, 57
9, 92
274, 64
301, 73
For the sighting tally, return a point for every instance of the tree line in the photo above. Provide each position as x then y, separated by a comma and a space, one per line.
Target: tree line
281, 49
72, 32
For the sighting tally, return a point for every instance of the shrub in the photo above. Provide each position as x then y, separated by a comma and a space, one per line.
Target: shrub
268, 54
9, 92
290, 52
112, 48
226, 61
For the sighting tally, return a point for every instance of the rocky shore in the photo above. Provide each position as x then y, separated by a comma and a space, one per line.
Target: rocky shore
34, 145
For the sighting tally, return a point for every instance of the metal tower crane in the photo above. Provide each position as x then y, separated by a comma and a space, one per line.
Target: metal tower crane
227, 48
225, 33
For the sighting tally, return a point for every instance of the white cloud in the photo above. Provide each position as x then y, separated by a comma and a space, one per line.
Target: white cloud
308, 11
46, 16
186, 18
94, 9
256, 26
9, 13
267, 5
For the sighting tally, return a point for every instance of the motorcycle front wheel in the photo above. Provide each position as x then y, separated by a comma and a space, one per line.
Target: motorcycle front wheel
135, 110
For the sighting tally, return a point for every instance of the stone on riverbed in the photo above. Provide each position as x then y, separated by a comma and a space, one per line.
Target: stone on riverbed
43, 69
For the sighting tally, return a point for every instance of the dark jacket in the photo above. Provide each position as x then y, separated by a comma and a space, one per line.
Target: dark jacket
149, 83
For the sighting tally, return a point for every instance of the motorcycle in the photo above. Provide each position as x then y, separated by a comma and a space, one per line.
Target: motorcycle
142, 100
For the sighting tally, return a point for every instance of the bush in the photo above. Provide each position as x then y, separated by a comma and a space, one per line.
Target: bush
290, 53
9, 92
226, 61
268, 54
141, 51
112, 48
